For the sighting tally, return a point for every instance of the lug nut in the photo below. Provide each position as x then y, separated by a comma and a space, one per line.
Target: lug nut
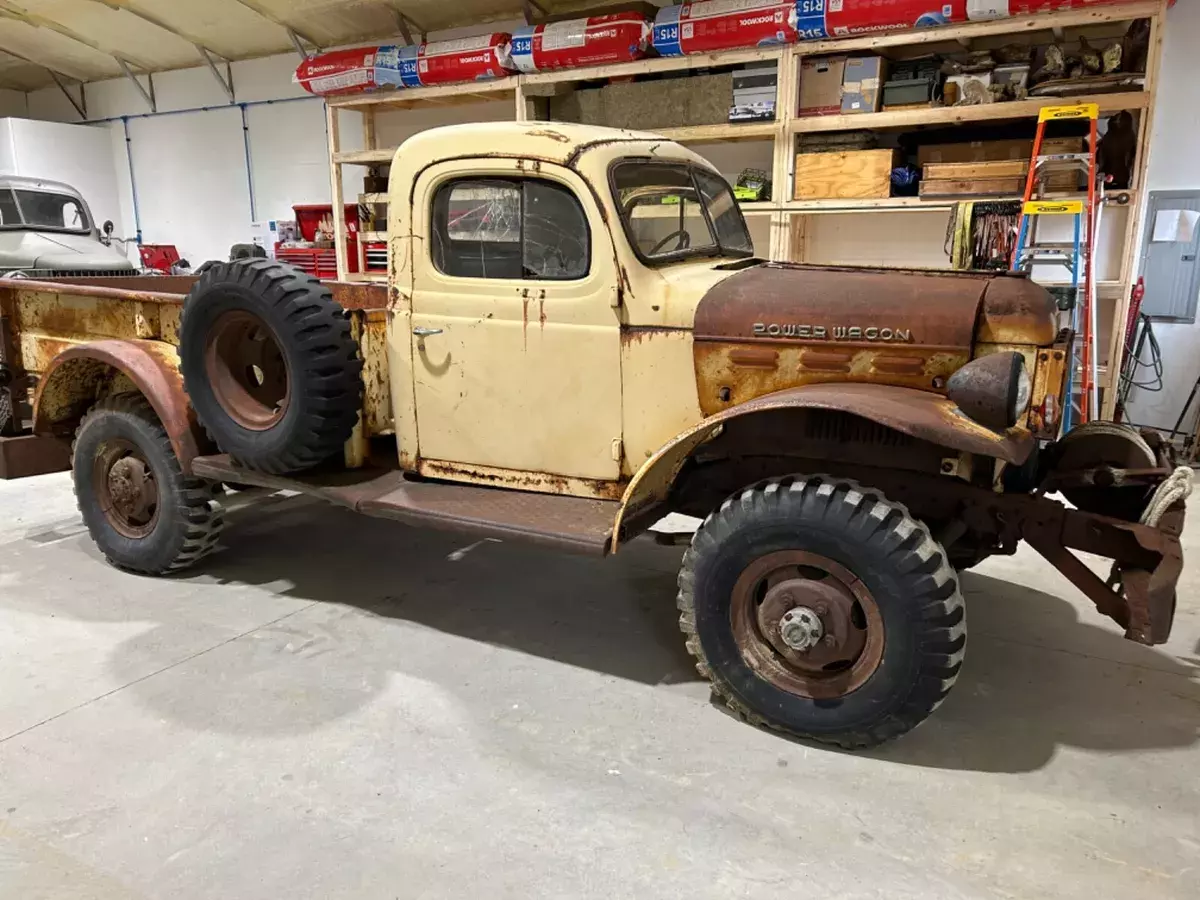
830, 640
822, 610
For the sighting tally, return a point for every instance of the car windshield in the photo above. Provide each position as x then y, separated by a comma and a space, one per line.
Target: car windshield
673, 210
43, 210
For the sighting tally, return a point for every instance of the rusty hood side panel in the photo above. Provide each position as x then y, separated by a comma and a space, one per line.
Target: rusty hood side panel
776, 326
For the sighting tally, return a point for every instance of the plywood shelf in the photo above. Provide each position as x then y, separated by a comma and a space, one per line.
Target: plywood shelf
366, 277
437, 95
364, 157
918, 205
963, 115
698, 134
656, 66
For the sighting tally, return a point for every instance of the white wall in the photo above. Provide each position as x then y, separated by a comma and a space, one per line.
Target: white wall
1174, 151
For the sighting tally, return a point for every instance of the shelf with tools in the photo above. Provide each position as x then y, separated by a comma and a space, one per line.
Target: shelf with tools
794, 224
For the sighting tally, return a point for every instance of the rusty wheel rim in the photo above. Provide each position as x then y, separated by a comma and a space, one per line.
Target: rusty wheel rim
247, 370
806, 624
126, 488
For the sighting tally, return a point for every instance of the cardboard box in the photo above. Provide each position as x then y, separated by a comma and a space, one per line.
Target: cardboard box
848, 175
821, 86
862, 84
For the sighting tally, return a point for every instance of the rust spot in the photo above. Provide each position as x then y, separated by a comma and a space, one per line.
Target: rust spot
353, 295
635, 334
899, 365
825, 360
525, 320
539, 482
82, 372
549, 133
754, 357
542, 311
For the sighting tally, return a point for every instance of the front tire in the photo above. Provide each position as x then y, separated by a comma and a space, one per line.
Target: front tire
820, 609
143, 513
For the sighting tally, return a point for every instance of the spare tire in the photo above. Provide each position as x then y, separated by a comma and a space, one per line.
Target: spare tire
270, 365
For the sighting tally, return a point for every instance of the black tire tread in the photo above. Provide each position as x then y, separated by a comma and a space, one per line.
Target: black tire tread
942, 609
318, 326
200, 509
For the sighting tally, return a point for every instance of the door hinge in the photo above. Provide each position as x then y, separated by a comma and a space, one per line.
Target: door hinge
618, 450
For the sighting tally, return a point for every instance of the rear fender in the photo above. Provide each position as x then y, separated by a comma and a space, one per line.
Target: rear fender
82, 374
920, 414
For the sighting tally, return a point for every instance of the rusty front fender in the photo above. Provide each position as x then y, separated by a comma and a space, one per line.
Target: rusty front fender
923, 415
82, 374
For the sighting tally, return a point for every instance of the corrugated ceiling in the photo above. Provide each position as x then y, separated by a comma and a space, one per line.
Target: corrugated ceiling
83, 39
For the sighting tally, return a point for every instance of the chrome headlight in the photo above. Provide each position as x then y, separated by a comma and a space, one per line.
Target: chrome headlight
993, 390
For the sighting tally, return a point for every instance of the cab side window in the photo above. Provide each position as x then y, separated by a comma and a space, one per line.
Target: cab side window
509, 228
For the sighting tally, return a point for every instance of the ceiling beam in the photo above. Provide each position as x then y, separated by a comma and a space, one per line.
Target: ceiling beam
65, 71
406, 25
10, 10
148, 96
128, 7
265, 13
80, 104
528, 7
226, 80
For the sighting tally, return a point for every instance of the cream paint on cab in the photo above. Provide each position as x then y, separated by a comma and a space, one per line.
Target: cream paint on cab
640, 386
518, 374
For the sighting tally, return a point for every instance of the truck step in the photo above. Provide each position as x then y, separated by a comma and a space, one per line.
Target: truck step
572, 524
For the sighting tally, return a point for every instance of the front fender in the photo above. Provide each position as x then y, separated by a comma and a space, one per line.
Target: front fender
920, 414
79, 374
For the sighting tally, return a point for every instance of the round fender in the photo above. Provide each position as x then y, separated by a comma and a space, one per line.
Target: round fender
78, 375
921, 414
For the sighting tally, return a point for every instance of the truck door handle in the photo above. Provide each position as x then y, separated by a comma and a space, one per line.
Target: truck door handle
426, 332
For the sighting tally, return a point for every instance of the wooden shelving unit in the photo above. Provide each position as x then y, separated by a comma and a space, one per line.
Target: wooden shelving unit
788, 217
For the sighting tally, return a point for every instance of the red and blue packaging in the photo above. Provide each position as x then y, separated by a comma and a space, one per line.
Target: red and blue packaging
593, 41
709, 25
445, 62
978, 10
817, 19
439, 62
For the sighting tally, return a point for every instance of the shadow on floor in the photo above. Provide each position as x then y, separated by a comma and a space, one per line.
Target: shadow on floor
1035, 678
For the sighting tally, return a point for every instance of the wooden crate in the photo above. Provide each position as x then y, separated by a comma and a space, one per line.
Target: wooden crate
967, 171
973, 187
849, 175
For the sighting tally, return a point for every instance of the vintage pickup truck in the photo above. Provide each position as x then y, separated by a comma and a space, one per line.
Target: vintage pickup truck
577, 339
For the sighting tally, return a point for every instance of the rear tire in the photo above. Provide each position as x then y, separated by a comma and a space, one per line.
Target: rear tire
782, 554
143, 513
270, 365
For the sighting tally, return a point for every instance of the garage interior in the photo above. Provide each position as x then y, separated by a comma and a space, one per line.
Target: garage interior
338, 706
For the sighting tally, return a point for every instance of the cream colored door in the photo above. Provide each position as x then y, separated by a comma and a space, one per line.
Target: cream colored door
516, 338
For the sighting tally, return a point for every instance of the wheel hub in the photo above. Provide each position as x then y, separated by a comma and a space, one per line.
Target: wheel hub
801, 628
807, 624
126, 488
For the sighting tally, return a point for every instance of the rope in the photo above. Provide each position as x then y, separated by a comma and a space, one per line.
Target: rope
1177, 486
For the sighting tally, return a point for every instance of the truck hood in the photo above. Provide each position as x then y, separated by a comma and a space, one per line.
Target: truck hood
59, 252
775, 326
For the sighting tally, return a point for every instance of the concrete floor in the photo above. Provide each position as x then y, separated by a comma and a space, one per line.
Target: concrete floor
341, 708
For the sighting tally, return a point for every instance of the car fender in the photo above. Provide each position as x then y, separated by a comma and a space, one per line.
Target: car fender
82, 373
921, 414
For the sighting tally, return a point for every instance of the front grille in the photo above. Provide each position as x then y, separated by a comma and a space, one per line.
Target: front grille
51, 274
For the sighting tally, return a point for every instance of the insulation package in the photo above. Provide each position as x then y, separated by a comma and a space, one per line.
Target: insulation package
709, 25
339, 71
817, 19
593, 41
445, 62
978, 10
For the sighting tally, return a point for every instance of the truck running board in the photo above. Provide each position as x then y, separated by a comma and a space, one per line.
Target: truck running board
573, 524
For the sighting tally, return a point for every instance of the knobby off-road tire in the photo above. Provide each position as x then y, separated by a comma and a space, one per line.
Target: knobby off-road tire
894, 626
143, 513
270, 365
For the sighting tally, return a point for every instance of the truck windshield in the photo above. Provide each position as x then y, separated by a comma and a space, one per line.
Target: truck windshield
42, 210
671, 211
